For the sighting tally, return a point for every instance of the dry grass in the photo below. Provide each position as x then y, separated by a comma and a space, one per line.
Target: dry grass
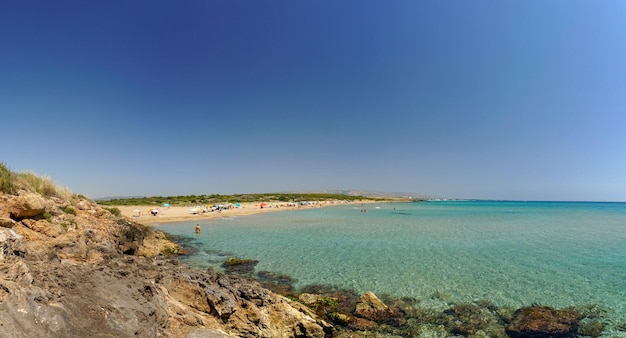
41, 184
6, 179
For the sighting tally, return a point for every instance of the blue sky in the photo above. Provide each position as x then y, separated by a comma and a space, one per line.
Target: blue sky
483, 99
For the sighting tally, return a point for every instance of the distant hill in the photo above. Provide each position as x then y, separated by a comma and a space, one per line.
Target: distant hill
356, 193
380, 194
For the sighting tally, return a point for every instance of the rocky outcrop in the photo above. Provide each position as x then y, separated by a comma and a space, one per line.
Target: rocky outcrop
26, 205
543, 321
372, 308
72, 269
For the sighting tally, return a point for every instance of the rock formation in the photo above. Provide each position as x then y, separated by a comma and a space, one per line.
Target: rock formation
543, 321
72, 269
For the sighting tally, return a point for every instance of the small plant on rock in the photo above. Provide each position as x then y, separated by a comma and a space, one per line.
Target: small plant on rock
69, 210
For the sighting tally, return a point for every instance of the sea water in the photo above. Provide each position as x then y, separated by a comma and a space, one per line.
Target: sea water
510, 253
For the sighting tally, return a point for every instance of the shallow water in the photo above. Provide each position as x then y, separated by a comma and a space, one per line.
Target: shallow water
510, 253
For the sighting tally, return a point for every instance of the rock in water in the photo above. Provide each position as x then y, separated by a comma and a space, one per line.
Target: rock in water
543, 321
372, 308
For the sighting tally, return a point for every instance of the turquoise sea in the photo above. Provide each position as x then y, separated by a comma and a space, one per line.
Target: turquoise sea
510, 253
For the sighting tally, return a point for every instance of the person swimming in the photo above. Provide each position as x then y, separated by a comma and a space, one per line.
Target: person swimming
197, 228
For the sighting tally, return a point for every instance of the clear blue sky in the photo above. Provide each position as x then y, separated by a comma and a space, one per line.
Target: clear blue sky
462, 99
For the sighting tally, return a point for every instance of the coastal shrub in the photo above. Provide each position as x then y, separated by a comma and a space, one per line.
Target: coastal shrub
6, 179
29, 181
64, 226
69, 210
48, 216
46, 187
115, 211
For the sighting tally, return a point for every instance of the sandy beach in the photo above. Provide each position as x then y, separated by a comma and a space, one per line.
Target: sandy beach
171, 214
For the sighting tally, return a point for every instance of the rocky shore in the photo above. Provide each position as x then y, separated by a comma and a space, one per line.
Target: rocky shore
70, 268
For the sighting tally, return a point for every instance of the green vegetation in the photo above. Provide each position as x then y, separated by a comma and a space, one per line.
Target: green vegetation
69, 210
48, 216
232, 261
6, 179
191, 200
115, 211
11, 182
331, 302
66, 224
169, 251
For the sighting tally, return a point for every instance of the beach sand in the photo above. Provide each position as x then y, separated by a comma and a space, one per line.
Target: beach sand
182, 214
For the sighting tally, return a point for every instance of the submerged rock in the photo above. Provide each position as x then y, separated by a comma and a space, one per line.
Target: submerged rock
543, 321
240, 265
474, 321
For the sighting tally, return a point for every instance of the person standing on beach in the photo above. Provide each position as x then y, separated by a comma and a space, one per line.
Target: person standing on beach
197, 228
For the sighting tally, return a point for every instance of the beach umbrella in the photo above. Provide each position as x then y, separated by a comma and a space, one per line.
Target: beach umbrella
237, 204
166, 205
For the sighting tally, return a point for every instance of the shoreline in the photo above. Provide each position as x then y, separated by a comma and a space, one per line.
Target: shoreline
174, 214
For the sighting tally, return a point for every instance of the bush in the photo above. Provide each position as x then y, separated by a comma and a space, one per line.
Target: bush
69, 210
6, 179
115, 211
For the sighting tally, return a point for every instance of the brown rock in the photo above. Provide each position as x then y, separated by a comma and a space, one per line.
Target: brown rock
27, 205
369, 304
372, 308
11, 246
43, 227
7, 222
543, 321
362, 324
310, 298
